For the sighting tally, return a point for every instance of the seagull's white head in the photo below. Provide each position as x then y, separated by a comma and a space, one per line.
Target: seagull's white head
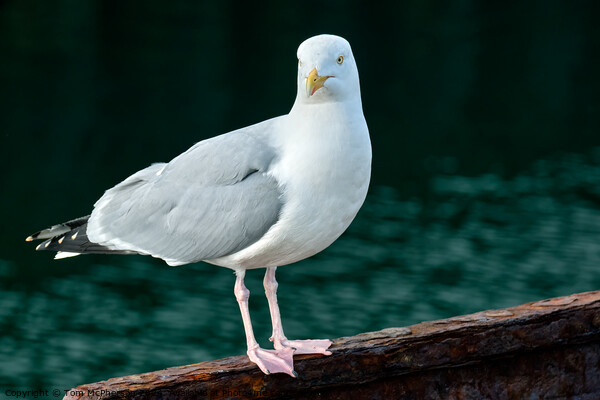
327, 71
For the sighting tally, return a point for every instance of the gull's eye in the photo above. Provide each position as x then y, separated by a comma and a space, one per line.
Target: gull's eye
299, 63
340, 60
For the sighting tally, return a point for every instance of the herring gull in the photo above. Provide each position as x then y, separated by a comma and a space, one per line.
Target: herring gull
262, 196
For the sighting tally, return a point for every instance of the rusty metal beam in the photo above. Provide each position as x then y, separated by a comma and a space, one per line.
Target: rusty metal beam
546, 349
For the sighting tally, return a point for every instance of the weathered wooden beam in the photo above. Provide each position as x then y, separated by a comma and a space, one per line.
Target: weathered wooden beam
546, 349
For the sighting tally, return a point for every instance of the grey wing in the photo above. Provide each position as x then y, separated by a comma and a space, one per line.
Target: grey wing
211, 201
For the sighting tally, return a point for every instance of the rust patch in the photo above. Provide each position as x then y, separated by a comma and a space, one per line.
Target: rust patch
560, 301
499, 313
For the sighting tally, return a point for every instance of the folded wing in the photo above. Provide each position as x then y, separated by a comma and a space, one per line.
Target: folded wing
213, 200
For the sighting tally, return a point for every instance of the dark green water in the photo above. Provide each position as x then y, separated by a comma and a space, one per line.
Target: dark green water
485, 123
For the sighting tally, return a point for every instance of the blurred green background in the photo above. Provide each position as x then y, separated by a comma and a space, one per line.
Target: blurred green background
485, 125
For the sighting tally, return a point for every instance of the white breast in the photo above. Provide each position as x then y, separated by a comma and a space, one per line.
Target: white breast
324, 168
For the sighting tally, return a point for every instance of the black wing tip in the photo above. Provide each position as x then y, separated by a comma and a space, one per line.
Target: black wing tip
33, 237
44, 245
71, 237
58, 230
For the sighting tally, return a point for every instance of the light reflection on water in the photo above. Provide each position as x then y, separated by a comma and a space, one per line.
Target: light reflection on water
474, 243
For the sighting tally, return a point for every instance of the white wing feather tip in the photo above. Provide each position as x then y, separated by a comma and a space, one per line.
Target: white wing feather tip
65, 254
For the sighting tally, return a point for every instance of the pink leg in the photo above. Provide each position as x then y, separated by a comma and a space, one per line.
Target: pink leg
278, 338
269, 361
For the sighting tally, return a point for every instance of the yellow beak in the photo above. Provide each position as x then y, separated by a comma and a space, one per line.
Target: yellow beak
314, 82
